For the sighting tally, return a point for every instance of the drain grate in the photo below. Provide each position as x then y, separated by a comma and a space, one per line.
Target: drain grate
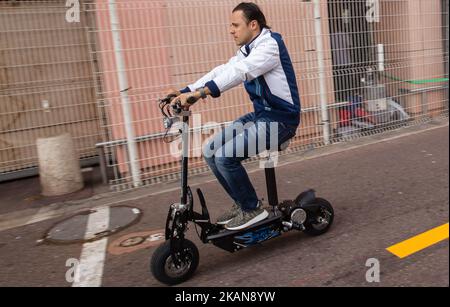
74, 228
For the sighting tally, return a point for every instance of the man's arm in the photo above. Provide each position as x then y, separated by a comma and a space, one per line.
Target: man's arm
209, 76
261, 60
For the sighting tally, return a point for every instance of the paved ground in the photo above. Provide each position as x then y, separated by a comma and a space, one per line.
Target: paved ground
383, 193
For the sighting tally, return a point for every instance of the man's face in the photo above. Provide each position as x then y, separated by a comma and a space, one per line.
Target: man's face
242, 31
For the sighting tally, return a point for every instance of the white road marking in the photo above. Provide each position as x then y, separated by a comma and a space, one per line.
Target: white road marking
90, 269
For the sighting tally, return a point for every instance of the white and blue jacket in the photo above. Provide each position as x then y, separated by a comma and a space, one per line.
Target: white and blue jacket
266, 69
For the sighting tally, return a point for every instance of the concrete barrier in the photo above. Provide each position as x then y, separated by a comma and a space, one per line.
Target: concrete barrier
59, 167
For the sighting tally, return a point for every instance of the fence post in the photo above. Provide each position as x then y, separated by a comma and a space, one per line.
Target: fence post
125, 102
320, 59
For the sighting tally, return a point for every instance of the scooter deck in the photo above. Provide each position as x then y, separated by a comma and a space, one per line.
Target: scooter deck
272, 218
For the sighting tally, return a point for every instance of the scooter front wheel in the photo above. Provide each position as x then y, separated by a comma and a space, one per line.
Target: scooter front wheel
164, 268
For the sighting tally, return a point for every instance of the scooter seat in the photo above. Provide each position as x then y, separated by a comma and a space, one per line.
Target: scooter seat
271, 152
284, 146
281, 147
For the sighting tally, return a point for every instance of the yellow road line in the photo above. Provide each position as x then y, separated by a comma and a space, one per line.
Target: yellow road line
419, 242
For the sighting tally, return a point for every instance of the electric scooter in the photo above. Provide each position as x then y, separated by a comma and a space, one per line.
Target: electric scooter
176, 260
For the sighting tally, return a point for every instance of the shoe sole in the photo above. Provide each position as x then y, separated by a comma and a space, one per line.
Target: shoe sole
223, 222
256, 219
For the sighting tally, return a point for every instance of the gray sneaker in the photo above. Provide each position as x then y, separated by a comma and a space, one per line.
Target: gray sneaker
229, 215
247, 218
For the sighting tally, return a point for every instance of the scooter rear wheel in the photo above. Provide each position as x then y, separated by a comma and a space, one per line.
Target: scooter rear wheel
164, 269
321, 219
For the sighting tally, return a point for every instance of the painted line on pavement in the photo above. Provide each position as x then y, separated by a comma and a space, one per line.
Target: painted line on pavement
89, 272
419, 242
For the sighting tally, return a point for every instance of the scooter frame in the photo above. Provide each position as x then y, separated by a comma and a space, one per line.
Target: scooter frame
309, 210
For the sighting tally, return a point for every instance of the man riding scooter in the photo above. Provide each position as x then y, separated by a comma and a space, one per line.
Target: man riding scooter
263, 64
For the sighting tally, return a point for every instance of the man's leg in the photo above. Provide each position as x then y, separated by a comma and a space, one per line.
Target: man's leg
253, 140
228, 163
216, 144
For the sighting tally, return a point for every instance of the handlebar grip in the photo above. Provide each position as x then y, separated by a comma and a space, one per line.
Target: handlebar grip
171, 96
168, 98
191, 100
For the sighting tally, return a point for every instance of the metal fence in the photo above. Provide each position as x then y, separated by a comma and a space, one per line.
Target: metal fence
362, 67
46, 83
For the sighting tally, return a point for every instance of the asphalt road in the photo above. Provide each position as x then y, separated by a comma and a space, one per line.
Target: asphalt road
382, 194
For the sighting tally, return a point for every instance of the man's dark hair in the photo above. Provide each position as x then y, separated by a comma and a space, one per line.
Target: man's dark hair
252, 12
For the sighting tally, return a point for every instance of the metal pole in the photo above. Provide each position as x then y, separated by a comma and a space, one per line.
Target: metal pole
102, 161
380, 57
271, 185
322, 86
125, 102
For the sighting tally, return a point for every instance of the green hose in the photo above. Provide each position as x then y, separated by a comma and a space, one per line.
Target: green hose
435, 80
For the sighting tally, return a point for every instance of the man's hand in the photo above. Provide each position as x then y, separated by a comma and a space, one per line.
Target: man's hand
172, 93
187, 99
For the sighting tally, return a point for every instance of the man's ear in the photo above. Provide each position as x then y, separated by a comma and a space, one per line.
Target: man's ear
254, 24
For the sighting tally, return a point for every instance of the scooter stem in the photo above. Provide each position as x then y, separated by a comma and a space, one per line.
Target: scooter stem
184, 159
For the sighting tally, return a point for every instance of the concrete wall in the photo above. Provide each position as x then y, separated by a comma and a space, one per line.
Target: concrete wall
43, 58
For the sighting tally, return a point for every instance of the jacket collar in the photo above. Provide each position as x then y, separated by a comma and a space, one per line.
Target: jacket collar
246, 49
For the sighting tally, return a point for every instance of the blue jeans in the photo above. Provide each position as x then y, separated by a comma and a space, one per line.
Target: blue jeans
244, 138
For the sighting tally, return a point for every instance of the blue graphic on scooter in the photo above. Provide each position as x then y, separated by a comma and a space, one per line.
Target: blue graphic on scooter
255, 237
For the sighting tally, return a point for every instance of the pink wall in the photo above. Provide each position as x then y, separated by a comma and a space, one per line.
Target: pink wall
411, 32
144, 41
172, 43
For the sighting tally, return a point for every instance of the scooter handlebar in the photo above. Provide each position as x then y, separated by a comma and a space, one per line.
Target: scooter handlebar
176, 107
167, 99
